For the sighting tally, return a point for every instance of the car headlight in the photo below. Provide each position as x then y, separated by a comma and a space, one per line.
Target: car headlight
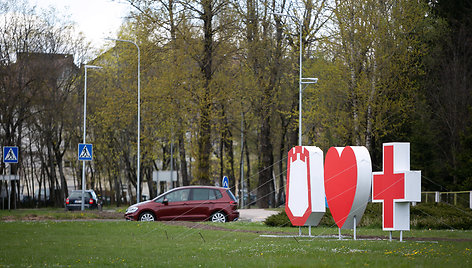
131, 210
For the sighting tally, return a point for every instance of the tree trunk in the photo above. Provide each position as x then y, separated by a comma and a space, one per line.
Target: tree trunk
265, 190
281, 195
204, 138
183, 160
150, 182
370, 117
266, 160
64, 190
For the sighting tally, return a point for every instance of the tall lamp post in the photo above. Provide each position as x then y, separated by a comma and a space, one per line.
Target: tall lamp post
82, 206
139, 116
301, 79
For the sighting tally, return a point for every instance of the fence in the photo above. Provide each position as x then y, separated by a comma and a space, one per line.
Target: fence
462, 198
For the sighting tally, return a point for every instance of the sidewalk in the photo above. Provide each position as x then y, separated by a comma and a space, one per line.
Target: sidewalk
255, 215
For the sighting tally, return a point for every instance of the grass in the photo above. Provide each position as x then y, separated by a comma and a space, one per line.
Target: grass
57, 214
136, 244
40, 237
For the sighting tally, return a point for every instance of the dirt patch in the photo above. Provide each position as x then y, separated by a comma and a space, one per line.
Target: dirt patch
416, 238
202, 226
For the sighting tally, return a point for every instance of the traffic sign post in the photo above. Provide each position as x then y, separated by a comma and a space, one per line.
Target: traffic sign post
10, 156
225, 182
85, 152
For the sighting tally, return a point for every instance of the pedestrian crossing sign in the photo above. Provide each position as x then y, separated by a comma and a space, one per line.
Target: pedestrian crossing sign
225, 182
10, 154
85, 152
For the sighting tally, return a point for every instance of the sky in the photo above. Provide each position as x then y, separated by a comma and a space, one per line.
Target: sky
97, 19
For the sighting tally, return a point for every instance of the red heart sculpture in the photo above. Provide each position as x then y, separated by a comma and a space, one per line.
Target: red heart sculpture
340, 178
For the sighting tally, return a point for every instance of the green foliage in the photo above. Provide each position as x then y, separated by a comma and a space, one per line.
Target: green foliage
465, 158
367, 92
278, 220
386, 71
440, 216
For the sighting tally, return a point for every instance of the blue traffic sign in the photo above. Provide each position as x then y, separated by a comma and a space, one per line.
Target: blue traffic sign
85, 152
225, 182
10, 154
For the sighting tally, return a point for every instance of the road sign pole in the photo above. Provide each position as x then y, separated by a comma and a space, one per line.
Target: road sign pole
9, 190
172, 162
10, 155
85, 127
1, 188
82, 207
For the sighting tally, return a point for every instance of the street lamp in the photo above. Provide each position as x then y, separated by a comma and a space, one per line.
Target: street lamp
82, 207
300, 82
301, 79
139, 115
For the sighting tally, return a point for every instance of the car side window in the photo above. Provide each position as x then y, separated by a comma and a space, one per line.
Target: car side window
200, 194
178, 196
215, 194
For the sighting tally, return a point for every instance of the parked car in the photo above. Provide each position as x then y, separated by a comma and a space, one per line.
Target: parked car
189, 203
74, 201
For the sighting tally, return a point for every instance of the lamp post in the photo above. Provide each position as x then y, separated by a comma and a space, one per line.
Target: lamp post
82, 206
139, 116
301, 79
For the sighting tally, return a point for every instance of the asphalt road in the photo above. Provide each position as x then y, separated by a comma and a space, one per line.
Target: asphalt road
255, 214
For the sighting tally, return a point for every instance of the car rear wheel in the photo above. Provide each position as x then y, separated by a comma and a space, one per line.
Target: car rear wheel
218, 217
147, 216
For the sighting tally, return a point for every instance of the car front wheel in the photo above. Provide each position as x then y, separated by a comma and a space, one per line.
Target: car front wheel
218, 217
147, 216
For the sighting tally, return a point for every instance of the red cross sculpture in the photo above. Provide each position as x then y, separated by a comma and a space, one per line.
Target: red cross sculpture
396, 186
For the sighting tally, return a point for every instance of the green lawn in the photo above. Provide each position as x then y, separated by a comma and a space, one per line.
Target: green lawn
58, 214
135, 244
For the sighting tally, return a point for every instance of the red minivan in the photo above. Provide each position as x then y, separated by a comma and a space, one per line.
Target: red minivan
188, 203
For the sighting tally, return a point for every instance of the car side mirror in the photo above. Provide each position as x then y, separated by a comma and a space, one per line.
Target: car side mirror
165, 201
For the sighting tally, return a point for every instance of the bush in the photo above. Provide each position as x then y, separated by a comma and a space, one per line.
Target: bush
422, 216
440, 216
278, 220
